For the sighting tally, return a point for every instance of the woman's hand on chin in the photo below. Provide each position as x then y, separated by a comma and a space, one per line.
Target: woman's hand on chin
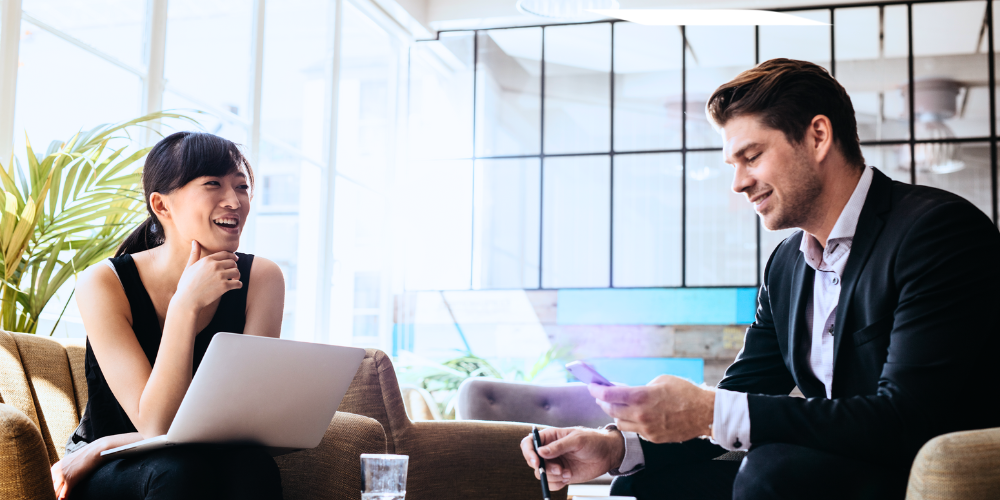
205, 279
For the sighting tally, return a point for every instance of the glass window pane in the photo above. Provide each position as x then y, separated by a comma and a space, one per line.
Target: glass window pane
113, 27
223, 125
440, 101
721, 226
874, 72
576, 222
950, 92
508, 92
364, 134
805, 43
208, 53
715, 55
578, 88
971, 182
360, 254
296, 48
647, 220
647, 87
769, 240
293, 100
893, 161
437, 223
505, 251
62, 89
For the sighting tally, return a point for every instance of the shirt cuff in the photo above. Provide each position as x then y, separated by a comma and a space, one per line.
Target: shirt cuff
634, 460
731, 423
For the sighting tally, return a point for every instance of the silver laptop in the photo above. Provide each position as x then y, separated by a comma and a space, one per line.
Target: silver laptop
276, 393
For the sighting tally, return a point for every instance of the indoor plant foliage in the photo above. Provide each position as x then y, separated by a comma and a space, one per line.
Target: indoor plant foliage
65, 210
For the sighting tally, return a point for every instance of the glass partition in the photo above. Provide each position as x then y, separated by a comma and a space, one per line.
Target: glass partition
578, 89
647, 220
505, 241
508, 96
576, 217
715, 55
720, 226
647, 87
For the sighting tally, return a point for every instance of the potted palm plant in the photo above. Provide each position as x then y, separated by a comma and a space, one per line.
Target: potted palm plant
65, 210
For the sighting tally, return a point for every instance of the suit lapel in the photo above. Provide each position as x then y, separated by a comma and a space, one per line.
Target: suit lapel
870, 223
800, 337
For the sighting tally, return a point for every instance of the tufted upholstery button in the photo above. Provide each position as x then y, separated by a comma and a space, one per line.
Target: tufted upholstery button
490, 401
545, 406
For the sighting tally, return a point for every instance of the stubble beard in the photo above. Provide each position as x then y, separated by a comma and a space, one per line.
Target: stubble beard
798, 204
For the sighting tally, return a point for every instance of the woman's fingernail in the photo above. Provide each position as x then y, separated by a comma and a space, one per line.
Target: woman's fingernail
566, 475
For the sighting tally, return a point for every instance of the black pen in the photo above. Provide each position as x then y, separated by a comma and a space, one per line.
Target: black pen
541, 462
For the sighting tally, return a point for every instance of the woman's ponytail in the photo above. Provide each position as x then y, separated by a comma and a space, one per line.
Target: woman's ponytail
148, 235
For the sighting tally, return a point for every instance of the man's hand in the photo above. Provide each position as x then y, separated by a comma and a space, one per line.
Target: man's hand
667, 410
575, 454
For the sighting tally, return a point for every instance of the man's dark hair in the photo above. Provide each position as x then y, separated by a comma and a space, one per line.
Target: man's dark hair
786, 95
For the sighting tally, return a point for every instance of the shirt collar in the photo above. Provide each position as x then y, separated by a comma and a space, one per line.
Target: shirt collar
842, 235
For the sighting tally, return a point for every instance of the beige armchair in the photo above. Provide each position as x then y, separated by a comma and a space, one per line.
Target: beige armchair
43, 392
958, 466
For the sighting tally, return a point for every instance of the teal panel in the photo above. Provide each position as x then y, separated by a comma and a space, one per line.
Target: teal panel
639, 371
746, 305
656, 306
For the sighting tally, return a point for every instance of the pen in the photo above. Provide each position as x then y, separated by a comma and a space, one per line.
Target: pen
541, 462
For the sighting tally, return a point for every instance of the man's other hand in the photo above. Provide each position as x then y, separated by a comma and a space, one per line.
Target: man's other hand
667, 410
575, 454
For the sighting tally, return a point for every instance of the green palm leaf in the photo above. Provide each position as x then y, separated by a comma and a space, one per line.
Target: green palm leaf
69, 209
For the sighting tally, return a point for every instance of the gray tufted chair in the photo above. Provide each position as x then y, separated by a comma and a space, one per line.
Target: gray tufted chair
564, 405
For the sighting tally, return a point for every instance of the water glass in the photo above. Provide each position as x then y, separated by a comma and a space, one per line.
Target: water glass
383, 477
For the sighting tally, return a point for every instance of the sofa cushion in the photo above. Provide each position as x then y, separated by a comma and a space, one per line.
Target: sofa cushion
375, 394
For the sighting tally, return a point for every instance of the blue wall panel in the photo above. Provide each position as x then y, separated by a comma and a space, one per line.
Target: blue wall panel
656, 306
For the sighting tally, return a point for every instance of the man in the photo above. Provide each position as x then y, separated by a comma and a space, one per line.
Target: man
878, 310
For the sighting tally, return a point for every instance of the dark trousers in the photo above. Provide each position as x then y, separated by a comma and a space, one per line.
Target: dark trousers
770, 471
185, 472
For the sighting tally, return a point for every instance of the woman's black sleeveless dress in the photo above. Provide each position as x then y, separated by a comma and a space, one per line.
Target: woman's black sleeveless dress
210, 472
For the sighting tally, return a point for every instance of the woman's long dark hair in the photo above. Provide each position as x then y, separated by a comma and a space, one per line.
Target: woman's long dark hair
176, 160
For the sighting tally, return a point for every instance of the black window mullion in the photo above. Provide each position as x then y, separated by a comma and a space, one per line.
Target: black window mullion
684, 44
611, 217
912, 99
541, 165
993, 111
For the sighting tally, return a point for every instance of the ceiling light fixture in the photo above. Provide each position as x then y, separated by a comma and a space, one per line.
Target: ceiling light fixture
566, 9
935, 101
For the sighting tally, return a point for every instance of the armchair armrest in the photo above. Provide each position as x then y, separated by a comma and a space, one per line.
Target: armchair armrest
459, 460
960, 465
24, 463
332, 470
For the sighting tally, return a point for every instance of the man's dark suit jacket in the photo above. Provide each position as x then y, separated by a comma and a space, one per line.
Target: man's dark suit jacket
915, 340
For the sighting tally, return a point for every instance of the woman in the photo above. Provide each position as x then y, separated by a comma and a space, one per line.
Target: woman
150, 314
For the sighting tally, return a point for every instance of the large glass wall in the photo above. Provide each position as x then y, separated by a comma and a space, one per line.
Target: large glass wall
309, 89
598, 130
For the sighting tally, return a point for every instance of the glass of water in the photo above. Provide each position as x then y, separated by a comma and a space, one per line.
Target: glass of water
383, 477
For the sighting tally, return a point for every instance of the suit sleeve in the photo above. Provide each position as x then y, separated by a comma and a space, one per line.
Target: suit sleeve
759, 367
946, 279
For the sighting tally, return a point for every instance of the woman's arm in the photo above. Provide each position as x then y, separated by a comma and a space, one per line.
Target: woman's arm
265, 299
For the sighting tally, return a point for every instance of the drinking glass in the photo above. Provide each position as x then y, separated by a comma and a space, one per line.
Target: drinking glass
383, 477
